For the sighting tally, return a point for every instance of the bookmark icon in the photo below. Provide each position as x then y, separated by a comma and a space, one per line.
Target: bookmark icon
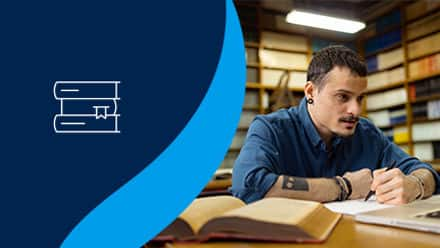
86, 107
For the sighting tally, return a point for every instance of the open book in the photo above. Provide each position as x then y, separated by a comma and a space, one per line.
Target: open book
270, 219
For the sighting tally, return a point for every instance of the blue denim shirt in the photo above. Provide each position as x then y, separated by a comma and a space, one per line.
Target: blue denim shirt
286, 142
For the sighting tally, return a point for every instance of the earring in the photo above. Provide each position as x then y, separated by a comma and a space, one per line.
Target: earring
310, 101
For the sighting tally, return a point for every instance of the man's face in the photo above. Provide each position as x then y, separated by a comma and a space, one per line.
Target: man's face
338, 104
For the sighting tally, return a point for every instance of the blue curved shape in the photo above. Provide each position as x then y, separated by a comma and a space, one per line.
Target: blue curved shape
150, 201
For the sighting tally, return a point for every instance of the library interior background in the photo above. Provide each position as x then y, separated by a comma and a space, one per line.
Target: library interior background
400, 45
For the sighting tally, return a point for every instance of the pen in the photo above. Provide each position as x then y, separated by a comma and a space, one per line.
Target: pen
391, 166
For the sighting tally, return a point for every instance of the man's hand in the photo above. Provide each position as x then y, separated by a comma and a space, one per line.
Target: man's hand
360, 182
394, 187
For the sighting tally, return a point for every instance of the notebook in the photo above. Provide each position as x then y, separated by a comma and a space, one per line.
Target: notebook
353, 207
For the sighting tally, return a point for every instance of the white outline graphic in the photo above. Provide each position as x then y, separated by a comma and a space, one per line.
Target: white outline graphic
79, 124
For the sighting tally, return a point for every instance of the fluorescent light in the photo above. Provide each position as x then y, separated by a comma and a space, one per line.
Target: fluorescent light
324, 22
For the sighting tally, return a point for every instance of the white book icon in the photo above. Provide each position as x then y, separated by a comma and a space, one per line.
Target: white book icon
86, 106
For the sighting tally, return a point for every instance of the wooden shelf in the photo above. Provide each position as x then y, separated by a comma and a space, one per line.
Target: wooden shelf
423, 77
283, 50
401, 143
253, 65
403, 124
234, 149
423, 36
435, 161
256, 65
425, 120
383, 108
386, 69
251, 108
253, 85
387, 30
386, 87
426, 98
423, 56
283, 69
425, 141
427, 13
282, 31
251, 44
385, 49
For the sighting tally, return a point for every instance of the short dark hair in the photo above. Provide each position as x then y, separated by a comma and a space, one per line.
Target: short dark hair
336, 55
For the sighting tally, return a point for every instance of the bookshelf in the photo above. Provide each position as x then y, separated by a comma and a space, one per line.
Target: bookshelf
404, 69
402, 51
272, 47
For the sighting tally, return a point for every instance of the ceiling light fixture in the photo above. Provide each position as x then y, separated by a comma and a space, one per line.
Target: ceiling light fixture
324, 22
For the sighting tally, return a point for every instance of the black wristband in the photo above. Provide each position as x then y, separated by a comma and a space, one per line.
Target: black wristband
343, 193
348, 183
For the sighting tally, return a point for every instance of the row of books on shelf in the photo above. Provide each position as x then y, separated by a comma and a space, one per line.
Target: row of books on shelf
246, 118
288, 60
252, 100
284, 41
427, 25
380, 42
386, 99
251, 55
391, 19
426, 110
271, 77
385, 78
229, 160
385, 60
425, 66
238, 140
427, 151
420, 8
429, 131
424, 88
388, 117
398, 135
424, 46
277, 59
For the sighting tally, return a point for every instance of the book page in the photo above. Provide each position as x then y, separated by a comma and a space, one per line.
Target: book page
276, 210
353, 207
203, 209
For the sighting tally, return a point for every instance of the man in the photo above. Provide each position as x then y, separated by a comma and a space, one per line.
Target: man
322, 150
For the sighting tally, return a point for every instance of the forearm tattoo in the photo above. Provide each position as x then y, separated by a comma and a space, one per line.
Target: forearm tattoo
295, 183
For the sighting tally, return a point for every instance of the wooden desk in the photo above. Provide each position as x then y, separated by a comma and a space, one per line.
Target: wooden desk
347, 233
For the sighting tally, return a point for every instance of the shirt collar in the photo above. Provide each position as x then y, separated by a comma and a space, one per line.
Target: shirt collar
310, 129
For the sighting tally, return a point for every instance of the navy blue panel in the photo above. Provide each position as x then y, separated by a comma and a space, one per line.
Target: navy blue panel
163, 53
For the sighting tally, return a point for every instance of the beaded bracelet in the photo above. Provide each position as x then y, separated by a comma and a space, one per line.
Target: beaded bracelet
343, 191
350, 189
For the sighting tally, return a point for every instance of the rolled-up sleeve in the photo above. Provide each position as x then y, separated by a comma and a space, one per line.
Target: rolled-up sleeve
405, 162
255, 170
